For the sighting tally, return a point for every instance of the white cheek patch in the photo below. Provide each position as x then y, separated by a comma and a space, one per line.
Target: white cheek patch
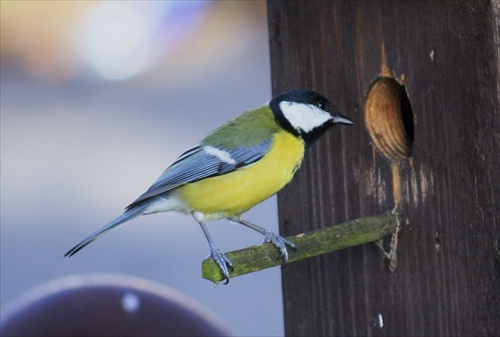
221, 154
304, 117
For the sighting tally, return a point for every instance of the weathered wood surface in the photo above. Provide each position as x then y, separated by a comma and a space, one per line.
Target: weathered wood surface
448, 277
309, 244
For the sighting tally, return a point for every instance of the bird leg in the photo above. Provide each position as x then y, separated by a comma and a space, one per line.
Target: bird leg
278, 241
220, 258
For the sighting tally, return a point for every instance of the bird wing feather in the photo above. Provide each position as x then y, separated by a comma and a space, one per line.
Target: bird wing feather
196, 164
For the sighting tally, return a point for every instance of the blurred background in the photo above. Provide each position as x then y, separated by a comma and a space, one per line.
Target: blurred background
97, 99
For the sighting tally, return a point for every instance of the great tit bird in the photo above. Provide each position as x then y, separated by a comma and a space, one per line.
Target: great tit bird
236, 167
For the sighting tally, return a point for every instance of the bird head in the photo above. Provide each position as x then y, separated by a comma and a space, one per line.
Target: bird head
306, 114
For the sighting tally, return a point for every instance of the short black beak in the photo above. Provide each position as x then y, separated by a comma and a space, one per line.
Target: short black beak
340, 119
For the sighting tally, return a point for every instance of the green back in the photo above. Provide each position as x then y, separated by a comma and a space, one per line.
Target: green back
248, 129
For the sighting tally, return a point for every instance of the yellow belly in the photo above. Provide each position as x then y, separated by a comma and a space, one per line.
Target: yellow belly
236, 192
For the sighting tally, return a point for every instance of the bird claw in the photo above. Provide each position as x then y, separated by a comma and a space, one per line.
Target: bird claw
280, 243
222, 261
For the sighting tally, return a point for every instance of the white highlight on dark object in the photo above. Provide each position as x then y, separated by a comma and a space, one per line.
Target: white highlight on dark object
66, 307
130, 302
380, 321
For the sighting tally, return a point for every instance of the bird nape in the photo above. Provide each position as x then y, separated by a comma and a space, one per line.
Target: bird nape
237, 166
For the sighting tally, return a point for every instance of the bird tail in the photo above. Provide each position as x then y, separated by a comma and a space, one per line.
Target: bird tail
128, 215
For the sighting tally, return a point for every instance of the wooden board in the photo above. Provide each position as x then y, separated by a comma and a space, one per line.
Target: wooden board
447, 281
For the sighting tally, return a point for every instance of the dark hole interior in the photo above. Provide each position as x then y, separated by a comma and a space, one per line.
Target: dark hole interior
407, 115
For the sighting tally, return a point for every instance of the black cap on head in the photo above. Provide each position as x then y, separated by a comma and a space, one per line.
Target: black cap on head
306, 97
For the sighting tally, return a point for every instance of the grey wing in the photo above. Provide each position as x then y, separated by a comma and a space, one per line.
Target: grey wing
201, 162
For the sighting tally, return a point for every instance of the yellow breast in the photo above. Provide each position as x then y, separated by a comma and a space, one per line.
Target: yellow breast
236, 192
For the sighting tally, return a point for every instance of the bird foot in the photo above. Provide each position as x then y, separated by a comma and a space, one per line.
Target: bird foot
280, 243
222, 261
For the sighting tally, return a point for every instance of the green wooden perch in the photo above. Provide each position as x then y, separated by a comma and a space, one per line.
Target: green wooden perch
321, 241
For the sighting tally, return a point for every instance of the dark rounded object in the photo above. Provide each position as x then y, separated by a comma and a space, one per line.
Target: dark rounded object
107, 305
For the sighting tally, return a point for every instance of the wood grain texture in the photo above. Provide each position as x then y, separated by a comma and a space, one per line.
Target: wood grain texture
448, 277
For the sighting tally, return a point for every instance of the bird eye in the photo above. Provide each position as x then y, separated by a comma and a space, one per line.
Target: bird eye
321, 105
